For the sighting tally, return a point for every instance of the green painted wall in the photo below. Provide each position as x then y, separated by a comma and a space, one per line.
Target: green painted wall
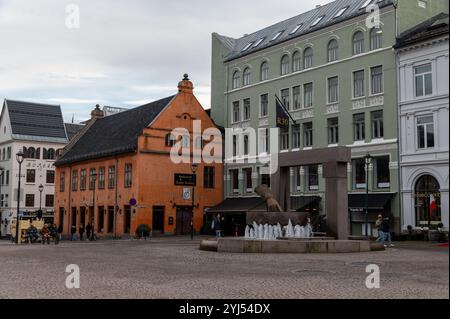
411, 14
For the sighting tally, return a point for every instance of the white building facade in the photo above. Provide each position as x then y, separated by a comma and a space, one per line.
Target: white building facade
38, 131
423, 77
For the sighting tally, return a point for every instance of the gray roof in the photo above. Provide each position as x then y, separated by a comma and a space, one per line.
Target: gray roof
434, 27
113, 135
37, 122
72, 129
306, 20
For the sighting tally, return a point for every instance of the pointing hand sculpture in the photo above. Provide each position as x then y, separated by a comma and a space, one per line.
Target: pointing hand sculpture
266, 194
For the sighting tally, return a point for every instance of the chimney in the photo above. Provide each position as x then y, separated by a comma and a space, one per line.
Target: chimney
185, 86
97, 113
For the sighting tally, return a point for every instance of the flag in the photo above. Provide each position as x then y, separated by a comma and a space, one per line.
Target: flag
433, 205
282, 115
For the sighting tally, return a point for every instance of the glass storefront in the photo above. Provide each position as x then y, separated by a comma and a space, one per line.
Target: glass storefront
427, 201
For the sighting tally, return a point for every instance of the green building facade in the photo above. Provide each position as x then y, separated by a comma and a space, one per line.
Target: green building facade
334, 68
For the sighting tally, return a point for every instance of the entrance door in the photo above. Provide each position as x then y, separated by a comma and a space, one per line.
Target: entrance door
184, 215
127, 220
83, 216
61, 217
158, 220
110, 219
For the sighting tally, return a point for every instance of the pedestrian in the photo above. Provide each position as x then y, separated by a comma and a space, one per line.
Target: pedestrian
45, 232
32, 234
73, 232
89, 231
192, 228
60, 230
54, 233
81, 232
387, 233
378, 226
218, 226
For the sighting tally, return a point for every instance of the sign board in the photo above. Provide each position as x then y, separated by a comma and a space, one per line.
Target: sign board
185, 180
133, 202
171, 221
186, 193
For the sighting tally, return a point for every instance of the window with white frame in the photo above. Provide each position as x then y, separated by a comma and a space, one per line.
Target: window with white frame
308, 134
377, 124
247, 76
423, 80
264, 107
248, 182
235, 145
285, 65
333, 131
376, 78
246, 145
264, 71
285, 98
359, 173
296, 136
235, 180
358, 84
308, 95
296, 61
359, 127
425, 132
358, 43
296, 98
247, 109
308, 58
333, 89
236, 112
382, 172
312, 177
298, 178
332, 50
236, 80
284, 139
263, 140
376, 38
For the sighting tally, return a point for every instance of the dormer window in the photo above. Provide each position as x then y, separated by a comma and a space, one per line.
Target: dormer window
296, 28
257, 43
277, 35
340, 12
365, 4
247, 47
316, 22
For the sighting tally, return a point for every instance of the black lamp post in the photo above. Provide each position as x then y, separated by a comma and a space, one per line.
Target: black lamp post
19, 158
2, 173
368, 160
41, 188
94, 178
194, 168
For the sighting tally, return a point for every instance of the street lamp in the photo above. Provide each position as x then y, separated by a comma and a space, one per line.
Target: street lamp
2, 173
41, 188
194, 168
94, 178
19, 158
368, 160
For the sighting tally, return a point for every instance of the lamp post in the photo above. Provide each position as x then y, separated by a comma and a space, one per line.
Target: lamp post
41, 188
19, 158
94, 178
2, 173
194, 168
368, 160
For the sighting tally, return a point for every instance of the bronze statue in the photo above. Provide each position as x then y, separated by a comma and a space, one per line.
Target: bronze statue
266, 194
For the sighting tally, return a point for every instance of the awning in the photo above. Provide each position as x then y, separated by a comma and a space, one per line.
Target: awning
239, 205
301, 203
375, 201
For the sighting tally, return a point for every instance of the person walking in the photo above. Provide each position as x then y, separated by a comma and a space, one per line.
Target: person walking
387, 233
81, 232
60, 230
45, 232
218, 226
192, 228
89, 231
378, 226
73, 232
54, 233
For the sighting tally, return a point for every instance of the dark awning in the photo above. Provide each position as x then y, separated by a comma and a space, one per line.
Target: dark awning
375, 201
239, 205
300, 203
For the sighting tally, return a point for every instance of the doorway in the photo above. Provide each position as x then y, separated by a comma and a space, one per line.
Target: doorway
110, 219
83, 217
158, 220
127, 220
61, 218
184, 215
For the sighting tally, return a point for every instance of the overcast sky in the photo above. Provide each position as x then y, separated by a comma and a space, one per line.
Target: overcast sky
125, 53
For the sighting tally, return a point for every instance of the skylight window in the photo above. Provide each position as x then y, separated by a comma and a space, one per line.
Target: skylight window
296, 28
247, 47
277, 35
317, 21
366, 4
258, 42
341, 12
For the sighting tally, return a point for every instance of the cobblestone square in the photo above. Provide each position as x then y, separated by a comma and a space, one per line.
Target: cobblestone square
176, 268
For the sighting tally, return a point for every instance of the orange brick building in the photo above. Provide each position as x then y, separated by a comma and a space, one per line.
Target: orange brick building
118, 172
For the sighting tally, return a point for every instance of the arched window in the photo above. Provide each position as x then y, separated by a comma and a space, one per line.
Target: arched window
332, 50
247, 76
236, 80
264, 71
285, 64
358, 43
376, 38
170, 140
31, 152
296, 61
308, 58
428, 201
51, 154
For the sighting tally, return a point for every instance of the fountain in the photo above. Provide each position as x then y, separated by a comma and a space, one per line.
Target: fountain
274, 232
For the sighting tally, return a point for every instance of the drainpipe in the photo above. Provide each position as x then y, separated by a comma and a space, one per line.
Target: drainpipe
116, 206
69, 209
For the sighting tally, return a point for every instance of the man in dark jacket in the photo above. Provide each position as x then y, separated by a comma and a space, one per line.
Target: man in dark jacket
89, 231
386, 229
73, 232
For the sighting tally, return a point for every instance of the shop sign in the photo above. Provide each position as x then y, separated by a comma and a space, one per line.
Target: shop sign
185, 180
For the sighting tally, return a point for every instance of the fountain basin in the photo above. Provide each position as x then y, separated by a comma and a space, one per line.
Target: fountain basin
291, 246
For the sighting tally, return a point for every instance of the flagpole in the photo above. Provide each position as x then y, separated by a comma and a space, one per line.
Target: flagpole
284, 108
